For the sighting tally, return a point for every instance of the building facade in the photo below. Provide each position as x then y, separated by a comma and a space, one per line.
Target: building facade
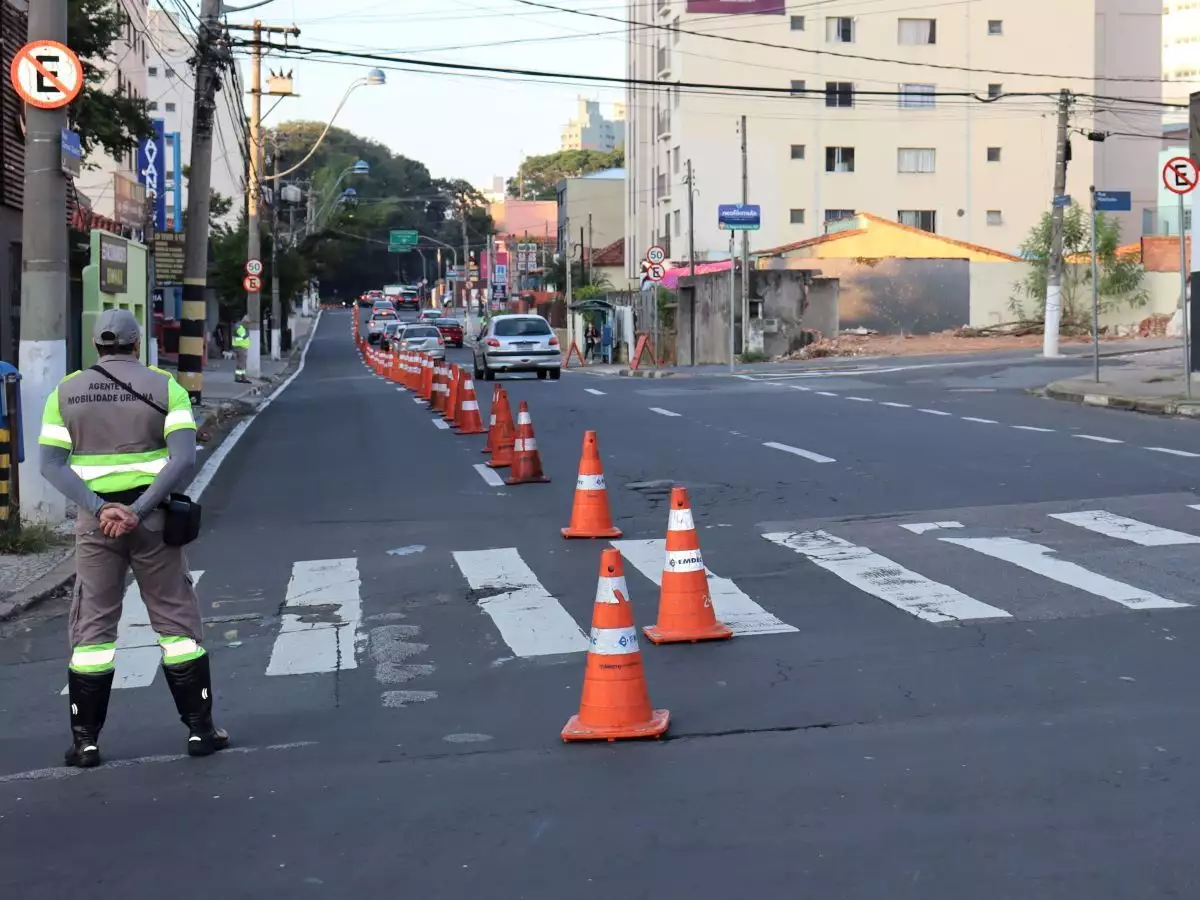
589, 130
873, 110
1181, 54
595, 202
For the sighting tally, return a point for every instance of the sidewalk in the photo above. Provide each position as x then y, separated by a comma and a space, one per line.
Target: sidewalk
1151, 383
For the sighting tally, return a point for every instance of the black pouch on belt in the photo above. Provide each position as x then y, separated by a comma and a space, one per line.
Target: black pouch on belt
182, 522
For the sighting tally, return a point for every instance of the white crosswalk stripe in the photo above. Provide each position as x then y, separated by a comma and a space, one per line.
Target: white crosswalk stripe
321, 616
531, 621
731, 604
1126, 529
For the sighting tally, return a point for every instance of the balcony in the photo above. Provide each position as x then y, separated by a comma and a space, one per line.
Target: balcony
664, 61
662, 124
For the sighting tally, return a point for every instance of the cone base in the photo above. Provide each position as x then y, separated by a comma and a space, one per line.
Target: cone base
470, 431
613, 532
499, 465
576, 730
540, 479
656, 635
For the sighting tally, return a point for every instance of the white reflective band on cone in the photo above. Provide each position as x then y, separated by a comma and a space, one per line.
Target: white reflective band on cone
607, 589
684, 561
525, 445
492, 420
589, 483
613, 641
523, 419
469, 404
681, 520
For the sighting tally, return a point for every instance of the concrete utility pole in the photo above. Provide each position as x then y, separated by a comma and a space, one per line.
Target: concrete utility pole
590, 249
193, 311
1054, 277
276, 314
1191, 292
465, 274
42, 354
745, 249
565, 252
691, 206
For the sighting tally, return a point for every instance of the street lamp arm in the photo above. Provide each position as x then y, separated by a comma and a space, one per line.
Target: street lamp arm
226, 10
328, 126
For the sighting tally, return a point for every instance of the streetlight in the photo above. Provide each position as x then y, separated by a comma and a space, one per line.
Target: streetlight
373, 78
362, 167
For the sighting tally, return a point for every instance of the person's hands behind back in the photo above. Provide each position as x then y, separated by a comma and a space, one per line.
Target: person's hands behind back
117, 519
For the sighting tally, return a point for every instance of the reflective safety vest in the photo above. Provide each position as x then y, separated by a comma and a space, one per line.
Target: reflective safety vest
117, 442
241, 338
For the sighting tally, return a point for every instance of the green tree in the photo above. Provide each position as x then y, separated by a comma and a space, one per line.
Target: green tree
226, 270
114, 121
538, 176
1120, 279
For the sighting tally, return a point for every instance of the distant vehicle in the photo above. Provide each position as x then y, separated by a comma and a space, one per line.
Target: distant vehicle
383, 304
378, 322
429, 315
517, 343
370, 297
451, 330
424, 338
410, 297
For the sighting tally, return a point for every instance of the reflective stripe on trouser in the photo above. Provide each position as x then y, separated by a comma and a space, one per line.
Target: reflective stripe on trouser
93, 659
176, 650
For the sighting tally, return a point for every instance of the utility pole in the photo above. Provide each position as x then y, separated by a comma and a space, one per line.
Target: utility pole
254, 182
465, 274
1054, 278
42, 355
745, 250
1190, 301
565, 252
692, 256
276, 313
591, 268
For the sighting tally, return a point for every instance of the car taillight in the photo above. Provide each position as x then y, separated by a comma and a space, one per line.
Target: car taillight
440, 341
553, 342
492, 342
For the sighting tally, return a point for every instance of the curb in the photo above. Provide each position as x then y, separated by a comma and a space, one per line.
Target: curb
1159, 406
645, 373
34, 593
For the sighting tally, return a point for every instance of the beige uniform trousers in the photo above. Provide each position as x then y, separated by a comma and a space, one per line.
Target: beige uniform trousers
102, 564
240, 355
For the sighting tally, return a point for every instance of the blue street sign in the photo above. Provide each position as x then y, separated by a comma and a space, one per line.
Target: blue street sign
152, 172
72, 153
1113, 201
1064, 200
736, 217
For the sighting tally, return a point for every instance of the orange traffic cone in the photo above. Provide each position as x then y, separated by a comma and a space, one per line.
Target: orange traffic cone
502, 450
527, 462
426, 392
438, 401
685, 610
451, 410
590, 516
468, 421
615, 702
491, 438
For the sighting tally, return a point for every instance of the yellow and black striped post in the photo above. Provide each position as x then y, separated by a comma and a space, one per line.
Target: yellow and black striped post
10, 495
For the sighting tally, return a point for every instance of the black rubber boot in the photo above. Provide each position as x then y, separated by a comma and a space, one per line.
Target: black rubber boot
191, 686
89, 707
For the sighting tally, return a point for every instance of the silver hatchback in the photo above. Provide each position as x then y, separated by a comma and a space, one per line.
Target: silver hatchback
423, 339
517, 343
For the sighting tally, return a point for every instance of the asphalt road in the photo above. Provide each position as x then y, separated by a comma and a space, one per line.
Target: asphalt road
996, 702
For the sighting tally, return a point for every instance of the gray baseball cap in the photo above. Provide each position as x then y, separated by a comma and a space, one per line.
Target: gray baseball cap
115, 328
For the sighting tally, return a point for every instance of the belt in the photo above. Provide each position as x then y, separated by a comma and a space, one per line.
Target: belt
125, 498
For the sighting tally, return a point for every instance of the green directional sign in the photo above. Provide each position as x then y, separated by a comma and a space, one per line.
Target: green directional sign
402, 241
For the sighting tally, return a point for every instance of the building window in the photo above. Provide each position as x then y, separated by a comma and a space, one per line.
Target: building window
993, 154
917, 96
839, 30
916, 160
675, 29
677, 223
839, 93
152, 71
797, 23
839, 159
796, 216
925, 219
995, 90
797, 87
835, 215
995, 26
152, 105
994, 217
918, 31
797, 151
170, 107
675, 160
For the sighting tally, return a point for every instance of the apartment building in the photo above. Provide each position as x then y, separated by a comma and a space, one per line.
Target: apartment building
589, 130
110, 185
851, 107
1180, 54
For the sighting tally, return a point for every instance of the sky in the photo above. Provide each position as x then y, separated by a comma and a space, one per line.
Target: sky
459, 126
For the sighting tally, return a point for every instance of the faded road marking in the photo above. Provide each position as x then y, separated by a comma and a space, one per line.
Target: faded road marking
441, 424
980, 421
1033, 428
664, 412
1097, 438
861, 399
321, 613
1126, 529
796, 451
1174, 452
491, 476
935, 412
594, 392
896, 405
922, 527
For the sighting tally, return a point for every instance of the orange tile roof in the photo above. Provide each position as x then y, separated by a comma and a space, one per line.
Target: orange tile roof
612, 255
871, 217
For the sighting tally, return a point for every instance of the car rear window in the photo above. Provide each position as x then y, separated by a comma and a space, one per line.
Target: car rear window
383, 314
420, 333
520, 327
448, 323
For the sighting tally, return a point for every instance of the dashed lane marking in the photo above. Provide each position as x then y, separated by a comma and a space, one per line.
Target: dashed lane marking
664, 412
935, 412
795, 387
861, 399
441, 423
796, 451
980, 421
1168, 450
491, 476
827, 393
1033, 428
418, 400
896, 405
595, 392
1097, 438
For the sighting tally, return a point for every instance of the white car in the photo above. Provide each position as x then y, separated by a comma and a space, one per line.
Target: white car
517, 343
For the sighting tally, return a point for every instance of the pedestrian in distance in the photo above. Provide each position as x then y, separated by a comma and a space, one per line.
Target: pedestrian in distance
241, 350
118, 439
590, 338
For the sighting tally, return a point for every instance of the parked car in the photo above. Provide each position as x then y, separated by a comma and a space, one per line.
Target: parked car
451, 330
378, 322
424, 339
392, 331
517, 343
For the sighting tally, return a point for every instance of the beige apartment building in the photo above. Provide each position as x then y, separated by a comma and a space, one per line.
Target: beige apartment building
821, 145
1181, 54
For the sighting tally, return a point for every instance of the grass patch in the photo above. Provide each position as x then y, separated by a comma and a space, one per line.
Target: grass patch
753, 356
31, 538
